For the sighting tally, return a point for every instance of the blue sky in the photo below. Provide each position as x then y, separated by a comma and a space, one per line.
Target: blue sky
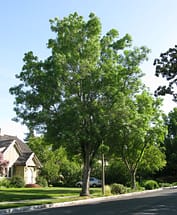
24, 26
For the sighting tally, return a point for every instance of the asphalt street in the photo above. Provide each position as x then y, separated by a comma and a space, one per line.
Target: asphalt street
152, 203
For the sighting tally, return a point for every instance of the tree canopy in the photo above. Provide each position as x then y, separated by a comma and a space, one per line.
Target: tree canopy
166, 66
138, 133
70, 96
171, 143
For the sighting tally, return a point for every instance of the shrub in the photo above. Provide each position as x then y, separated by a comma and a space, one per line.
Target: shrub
118, 189
165, 184
42, 181
107, 190
17, 182
174, 184
138, 187
116, 172
151, 184
4, 182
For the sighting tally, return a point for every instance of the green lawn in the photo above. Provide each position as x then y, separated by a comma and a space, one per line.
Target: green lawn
15, 194
35, 196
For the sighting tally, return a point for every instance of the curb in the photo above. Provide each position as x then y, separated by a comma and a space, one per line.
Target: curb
71, 203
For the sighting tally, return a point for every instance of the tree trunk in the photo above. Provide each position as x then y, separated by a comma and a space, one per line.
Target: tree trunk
133, 179
86, 175
103, 175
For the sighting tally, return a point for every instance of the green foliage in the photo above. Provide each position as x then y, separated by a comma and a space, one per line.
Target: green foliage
71, 171
116, 172
74, 95
174, 183
4, 182
17, 182
138, 187
151, 184
118, 189
107, 190
42, 181
166, 68
165, 184
171, 144
154, 160
57, 168
139, 134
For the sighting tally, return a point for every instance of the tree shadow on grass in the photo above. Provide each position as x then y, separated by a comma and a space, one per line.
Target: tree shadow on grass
35, 193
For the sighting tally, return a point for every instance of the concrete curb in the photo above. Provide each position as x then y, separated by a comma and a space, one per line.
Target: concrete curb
71, 203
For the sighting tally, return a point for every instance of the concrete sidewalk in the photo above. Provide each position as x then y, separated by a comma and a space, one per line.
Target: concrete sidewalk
33, 200
70, 203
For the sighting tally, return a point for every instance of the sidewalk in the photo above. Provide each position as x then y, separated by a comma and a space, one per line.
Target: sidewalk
33, 200
70, 203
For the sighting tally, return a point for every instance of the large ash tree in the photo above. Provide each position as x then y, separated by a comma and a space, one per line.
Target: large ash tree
70, 95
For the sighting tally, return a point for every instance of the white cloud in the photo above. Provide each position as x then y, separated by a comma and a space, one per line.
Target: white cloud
14, 129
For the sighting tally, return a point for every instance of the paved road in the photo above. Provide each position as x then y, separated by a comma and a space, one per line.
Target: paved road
154, 203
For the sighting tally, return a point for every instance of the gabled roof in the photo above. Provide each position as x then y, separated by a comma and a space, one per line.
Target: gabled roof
23, 149
4, 144
21, 161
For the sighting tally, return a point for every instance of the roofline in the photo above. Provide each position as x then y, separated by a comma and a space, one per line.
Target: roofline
35, 158
12, 143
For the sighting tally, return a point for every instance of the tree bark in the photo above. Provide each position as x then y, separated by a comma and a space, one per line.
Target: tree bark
133, 179
103, 175
86, 175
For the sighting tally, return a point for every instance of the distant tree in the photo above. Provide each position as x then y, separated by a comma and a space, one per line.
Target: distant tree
166, 66
116, 172
69, 95
56, 167
3, 165
171, 144
153, 161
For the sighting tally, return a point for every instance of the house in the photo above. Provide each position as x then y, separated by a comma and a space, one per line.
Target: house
21, 161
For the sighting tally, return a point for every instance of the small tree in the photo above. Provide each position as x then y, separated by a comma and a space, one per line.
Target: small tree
57, 168
139, 129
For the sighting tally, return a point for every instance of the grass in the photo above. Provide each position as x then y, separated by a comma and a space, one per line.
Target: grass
37, 202
16, 194
19, 197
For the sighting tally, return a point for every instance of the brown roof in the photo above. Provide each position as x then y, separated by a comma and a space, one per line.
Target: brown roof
21, 161
24, 150
4, 144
